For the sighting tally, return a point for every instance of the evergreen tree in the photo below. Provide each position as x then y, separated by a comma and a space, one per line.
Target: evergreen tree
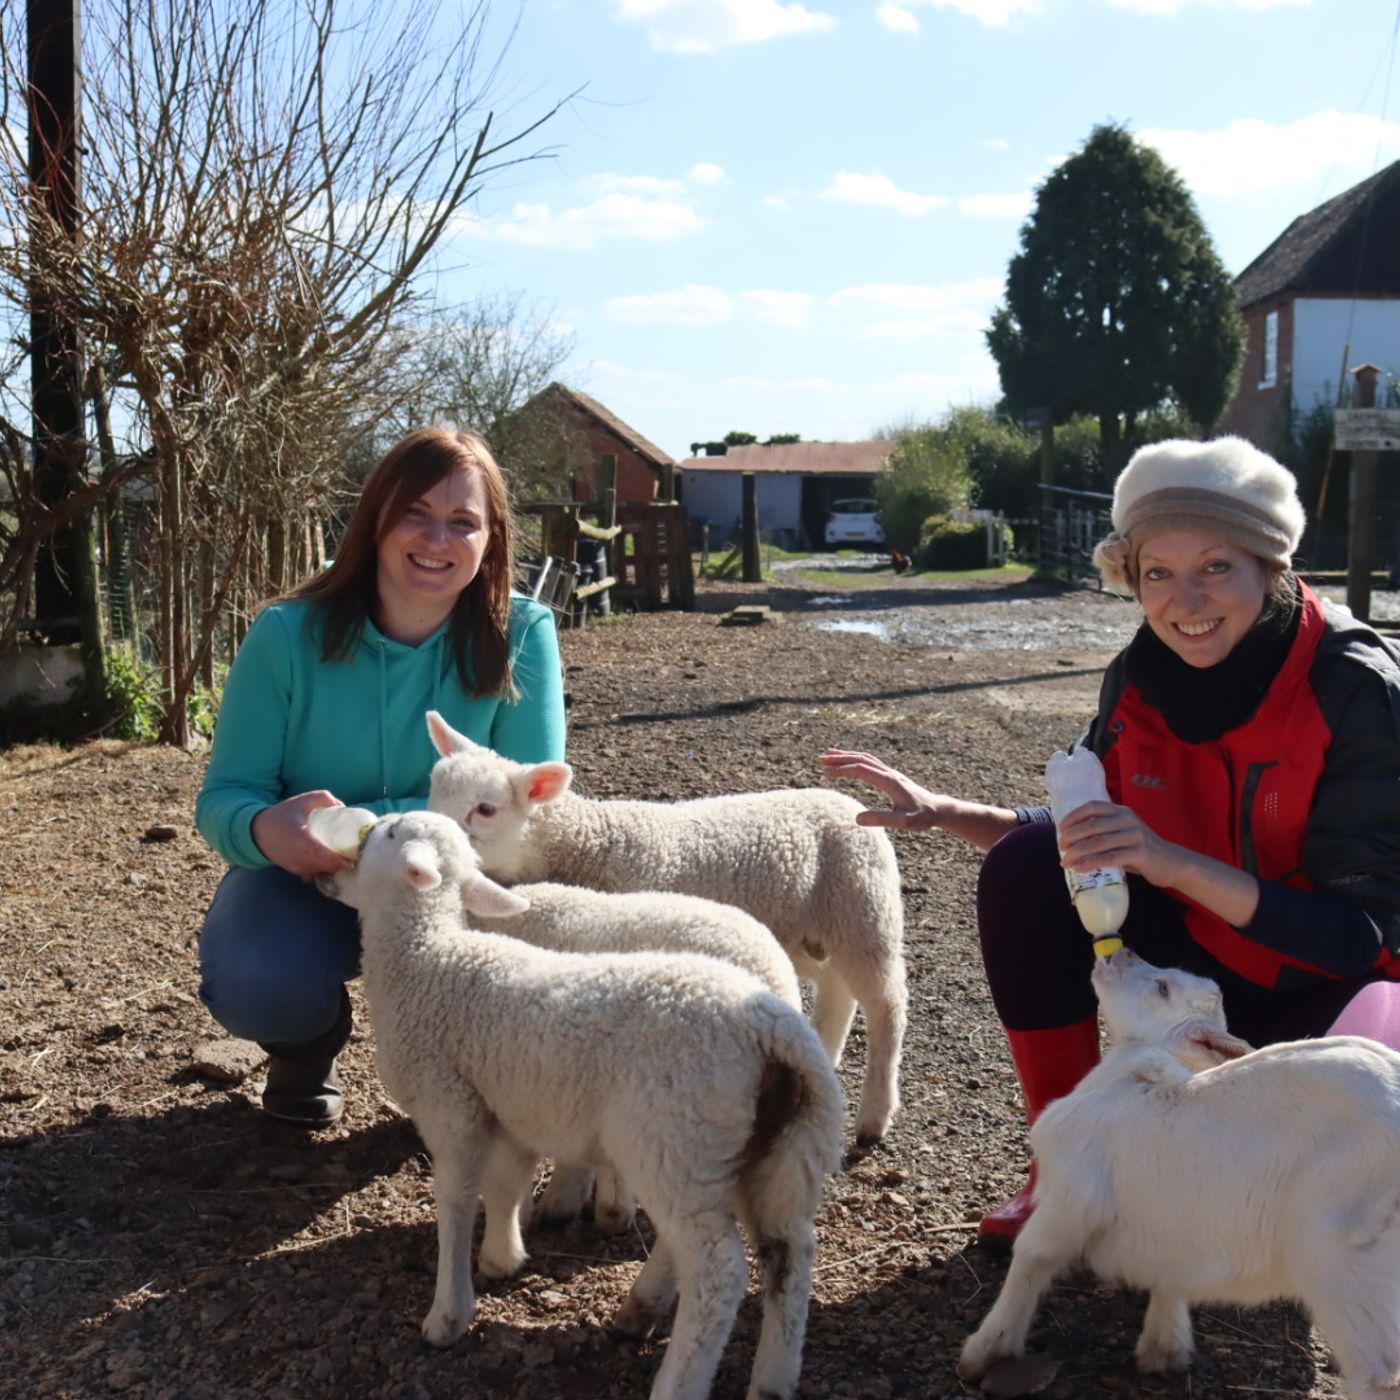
1117, 302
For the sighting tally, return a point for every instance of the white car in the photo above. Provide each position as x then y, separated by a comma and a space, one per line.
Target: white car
854, 521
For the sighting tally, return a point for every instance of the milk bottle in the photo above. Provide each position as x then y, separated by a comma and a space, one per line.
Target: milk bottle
1100, 896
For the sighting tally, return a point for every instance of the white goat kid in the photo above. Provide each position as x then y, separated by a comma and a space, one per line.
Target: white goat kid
793, 858
570, 919
712, 1096
1187, 1165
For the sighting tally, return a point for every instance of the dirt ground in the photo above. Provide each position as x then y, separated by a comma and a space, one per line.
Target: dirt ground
159, 1237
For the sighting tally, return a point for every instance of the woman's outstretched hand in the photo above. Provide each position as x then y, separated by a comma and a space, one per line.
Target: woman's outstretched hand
912, 808
283, 837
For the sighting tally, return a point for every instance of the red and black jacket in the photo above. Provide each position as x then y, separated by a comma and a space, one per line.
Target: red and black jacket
1304, 795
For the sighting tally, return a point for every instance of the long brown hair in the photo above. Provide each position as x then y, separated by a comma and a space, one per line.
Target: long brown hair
344, 592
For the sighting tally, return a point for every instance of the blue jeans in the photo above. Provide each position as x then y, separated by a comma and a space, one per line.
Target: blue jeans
275, 954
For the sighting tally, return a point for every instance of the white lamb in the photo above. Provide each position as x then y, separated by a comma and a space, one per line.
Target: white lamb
1268, 1175
793, 858
571, 919
712, 1096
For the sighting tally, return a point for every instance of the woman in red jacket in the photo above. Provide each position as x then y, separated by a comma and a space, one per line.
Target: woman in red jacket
1250, 736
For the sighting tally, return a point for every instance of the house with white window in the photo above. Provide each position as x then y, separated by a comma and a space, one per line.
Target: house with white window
1322, 297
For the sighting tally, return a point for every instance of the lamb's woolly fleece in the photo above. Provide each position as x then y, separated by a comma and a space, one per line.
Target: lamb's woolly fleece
1226, 488
792, 858
1271, 1175
501, 1052
571, 919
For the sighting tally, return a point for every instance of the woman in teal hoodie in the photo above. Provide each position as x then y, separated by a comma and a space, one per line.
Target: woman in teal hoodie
325, 703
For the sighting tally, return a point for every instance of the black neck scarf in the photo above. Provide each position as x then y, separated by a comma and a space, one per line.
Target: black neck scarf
1200, 703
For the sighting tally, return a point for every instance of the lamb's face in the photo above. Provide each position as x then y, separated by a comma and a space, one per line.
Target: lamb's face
1141, 1002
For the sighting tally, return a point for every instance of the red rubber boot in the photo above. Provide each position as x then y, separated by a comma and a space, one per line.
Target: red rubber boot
1049, 1064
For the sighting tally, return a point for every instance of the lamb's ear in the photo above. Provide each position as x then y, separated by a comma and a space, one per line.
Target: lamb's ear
542, 782
447, 740
490, 900
420, 865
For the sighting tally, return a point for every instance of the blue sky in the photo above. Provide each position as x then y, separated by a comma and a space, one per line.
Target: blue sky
784, 217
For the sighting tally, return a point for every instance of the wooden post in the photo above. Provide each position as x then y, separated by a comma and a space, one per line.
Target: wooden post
1361, 506
668, 482
66, 602
753, 565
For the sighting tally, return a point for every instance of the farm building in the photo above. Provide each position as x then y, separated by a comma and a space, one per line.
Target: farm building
579, 432
1328, 286
794, 483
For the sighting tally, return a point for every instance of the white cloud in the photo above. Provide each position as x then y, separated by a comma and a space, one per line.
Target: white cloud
915, 297
610, 183
1171, 7
924, 329
896, 17
692, 305
702, 26
778, 202
1249, 156
851, 188
612, 216
993, 13
996, 206
706, 173
697, 304
996, 143
778, 308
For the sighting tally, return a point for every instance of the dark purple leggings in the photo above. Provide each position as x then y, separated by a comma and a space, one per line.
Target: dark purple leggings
1038, 956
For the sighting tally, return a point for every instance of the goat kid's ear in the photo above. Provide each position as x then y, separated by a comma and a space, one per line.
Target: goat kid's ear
447, 740
492, 901
1219, 1046
420, 866
543, 782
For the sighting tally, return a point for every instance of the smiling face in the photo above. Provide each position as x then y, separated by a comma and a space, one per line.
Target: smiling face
1199, 594
430, 554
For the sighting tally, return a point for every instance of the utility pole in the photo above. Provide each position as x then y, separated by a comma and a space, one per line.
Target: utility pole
66, 605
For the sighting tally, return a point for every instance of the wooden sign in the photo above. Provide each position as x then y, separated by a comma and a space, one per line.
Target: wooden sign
1368, 430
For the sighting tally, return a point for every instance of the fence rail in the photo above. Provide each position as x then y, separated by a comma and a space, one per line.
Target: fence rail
1071, 524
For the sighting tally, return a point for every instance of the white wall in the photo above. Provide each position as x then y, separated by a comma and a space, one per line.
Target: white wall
718, 497
1323, 326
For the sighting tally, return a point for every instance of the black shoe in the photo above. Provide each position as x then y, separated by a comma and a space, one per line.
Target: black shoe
303, 1091
303, 1085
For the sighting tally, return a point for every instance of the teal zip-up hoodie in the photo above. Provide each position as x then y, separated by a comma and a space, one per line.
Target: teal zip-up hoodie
290, 722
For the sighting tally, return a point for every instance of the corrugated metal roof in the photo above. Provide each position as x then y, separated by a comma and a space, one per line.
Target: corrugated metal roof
804, 458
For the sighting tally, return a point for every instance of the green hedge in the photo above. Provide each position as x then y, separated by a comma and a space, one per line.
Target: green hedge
955, 544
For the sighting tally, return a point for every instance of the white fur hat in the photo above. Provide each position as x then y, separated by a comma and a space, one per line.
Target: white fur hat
1226, 487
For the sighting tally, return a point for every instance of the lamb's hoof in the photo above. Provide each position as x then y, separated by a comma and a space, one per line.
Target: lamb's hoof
501, 1268
613, 1220
1159, 1360
979, 1355
441, 1330
634, 1321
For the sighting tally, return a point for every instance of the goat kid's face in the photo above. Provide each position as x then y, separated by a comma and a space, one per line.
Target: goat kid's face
421, 850
1141, 1002
490, 796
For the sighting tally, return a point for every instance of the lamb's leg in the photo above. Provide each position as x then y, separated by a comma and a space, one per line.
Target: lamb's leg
507, 1177
879, 988
785, 1269
712, 1273
1166, 1343
565, 1196
833, 1010
1039, 1254
457, 1170
614, 1206
651, 1298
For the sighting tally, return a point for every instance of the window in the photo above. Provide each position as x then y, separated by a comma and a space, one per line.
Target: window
1270, 375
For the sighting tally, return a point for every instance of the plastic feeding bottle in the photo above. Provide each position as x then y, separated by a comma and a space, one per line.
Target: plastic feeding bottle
1100, 896
340, 828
